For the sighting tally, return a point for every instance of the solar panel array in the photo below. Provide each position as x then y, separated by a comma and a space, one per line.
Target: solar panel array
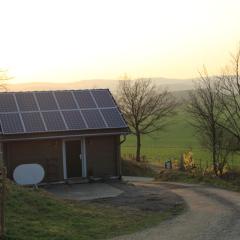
51, 111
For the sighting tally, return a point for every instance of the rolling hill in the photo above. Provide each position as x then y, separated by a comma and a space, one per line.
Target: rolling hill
171, 84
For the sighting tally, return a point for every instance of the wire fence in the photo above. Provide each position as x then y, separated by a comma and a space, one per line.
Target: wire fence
160, 154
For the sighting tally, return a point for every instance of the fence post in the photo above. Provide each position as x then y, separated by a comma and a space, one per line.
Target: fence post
2, 193
181, 165
2, 201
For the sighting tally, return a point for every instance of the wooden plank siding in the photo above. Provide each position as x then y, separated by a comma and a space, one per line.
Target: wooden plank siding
46, 153
102, 156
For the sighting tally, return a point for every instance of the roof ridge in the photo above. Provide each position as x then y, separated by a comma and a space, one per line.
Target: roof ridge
58, 90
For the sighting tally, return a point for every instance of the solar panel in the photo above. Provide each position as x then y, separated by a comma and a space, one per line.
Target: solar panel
11, 123
7, 103
93, 118
51, 111
26, 101
54, 121
103, 98
113, 118
33, 122
46, 101
74, 119
84, 99
65, 100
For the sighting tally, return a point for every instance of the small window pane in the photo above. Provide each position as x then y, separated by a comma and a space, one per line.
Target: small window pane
26, 101
113, 118
11, 123
84, 99
93, 119
103, 98
65, 100
7, 103
54, 121
74, 119
46, 101
33, 122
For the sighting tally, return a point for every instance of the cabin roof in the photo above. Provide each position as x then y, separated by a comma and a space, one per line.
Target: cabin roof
59, 111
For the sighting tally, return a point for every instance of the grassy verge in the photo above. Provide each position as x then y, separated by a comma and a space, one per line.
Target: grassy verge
186, 177
37, 215
133, 168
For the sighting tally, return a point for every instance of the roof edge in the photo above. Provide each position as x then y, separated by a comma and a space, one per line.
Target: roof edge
63, 137
57, 90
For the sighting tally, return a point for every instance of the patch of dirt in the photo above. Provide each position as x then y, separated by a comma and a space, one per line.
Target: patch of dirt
143, 196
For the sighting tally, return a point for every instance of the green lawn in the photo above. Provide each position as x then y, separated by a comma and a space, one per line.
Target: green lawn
37, 215
231, 182
170, 143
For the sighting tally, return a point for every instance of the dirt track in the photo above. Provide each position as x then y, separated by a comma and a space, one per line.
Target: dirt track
213, 214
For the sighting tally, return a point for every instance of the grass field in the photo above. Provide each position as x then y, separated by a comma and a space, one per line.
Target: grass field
170, 143
35, 214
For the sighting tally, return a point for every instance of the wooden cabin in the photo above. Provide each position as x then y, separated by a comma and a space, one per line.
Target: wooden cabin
71, 133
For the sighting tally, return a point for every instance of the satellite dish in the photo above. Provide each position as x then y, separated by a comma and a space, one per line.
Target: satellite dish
28, 174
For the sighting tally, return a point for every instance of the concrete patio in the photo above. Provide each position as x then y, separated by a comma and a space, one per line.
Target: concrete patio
83, 191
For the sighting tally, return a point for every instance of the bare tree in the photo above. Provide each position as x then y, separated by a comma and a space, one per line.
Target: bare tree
145, 107
206, 113
229, 96
3, 80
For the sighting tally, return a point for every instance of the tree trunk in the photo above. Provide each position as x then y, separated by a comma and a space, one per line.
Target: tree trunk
221, 171
138, 151
214, 150
215, 165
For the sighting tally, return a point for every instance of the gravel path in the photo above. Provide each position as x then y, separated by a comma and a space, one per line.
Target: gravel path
213, 214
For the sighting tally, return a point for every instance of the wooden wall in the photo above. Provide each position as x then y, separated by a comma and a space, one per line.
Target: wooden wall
46, 153
102, 155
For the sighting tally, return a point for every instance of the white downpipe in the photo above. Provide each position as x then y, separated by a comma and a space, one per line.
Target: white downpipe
84, 159
64, 159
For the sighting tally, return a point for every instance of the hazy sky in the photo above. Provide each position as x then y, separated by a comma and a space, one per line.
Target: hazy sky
67, 40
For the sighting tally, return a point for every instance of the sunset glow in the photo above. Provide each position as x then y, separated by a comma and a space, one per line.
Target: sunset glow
56, 40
